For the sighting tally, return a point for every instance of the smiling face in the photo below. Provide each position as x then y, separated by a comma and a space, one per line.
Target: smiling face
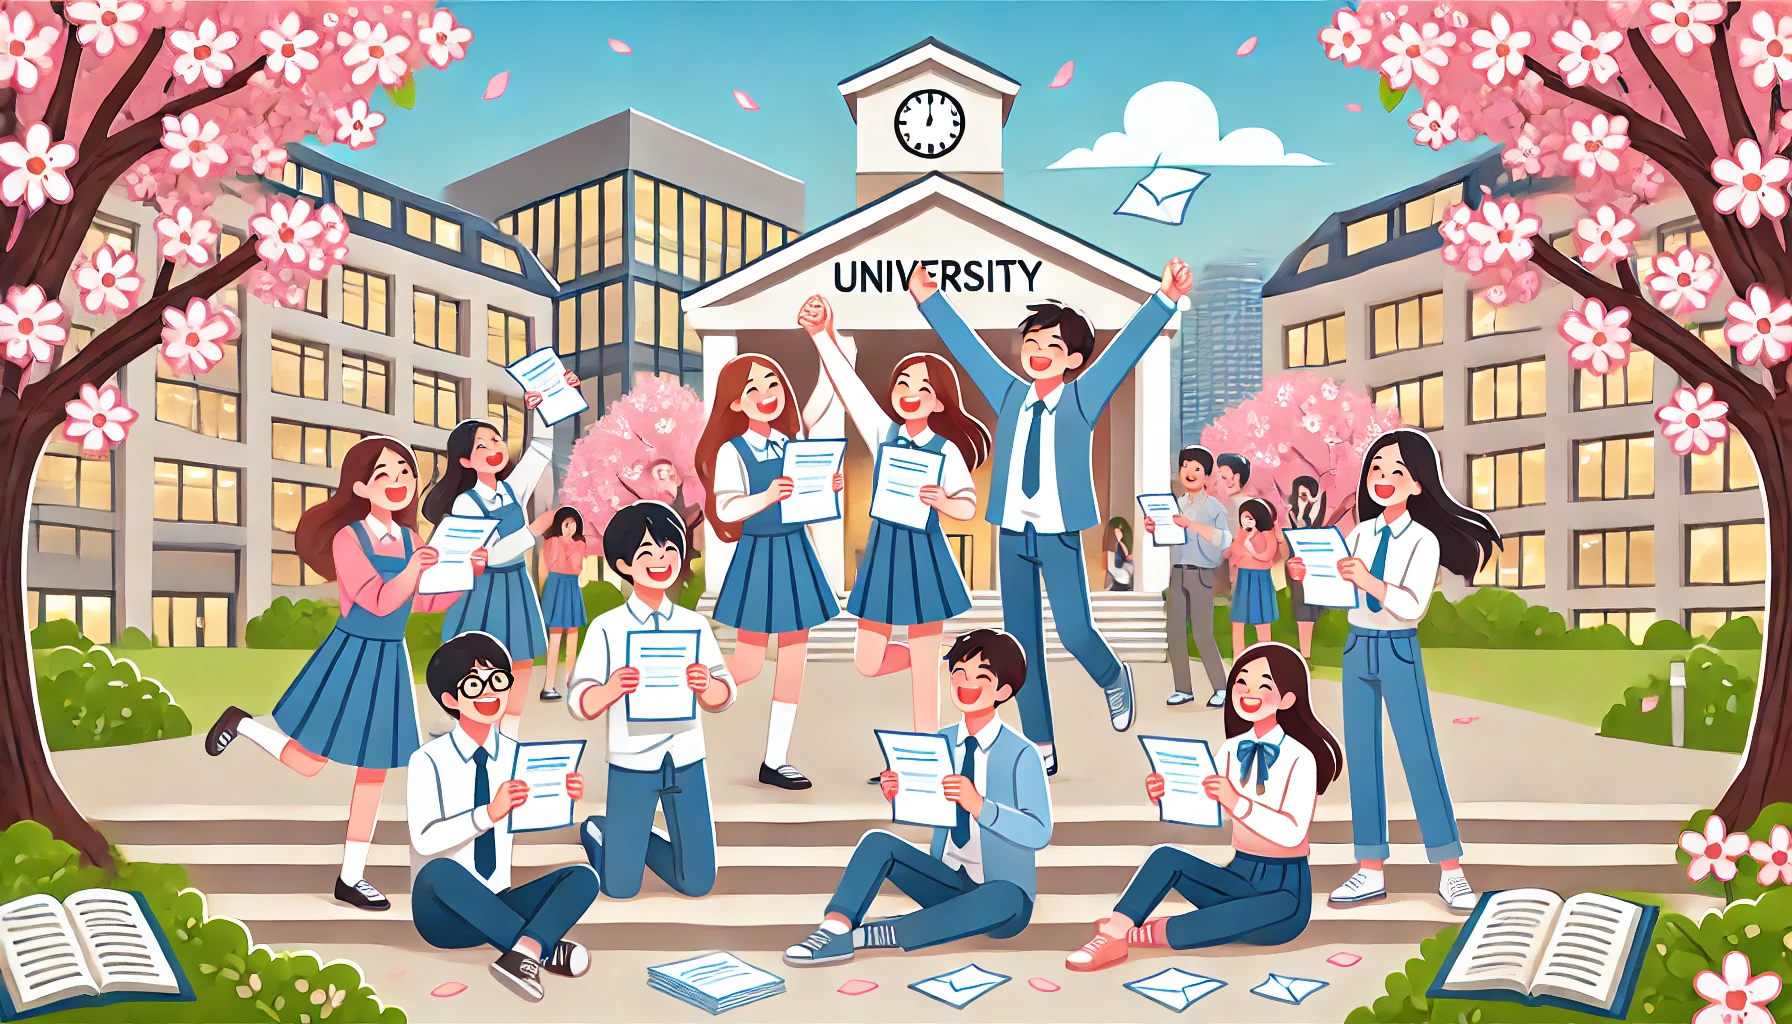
479, 699
1043, 354
1255, 695
490, 455
763, 398
912, 396
392, 484
1193, 477
1225, 482
975, 687
1390, 482
654, 565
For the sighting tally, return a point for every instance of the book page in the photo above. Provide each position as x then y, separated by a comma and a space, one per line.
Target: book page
43, 960
1585, 959
1507, 943
120, 942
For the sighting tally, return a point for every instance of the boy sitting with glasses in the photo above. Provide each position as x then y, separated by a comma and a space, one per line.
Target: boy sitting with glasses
460, 791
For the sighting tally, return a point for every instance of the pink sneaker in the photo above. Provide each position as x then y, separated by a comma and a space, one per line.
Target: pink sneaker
1097, 953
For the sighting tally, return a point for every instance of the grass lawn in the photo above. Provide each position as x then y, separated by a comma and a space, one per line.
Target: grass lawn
204, 681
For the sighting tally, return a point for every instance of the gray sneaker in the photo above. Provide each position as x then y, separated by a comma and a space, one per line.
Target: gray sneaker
1217, 701
821, 947
1177, 699
1119, 698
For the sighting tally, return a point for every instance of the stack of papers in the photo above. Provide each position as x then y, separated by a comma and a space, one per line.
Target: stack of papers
1284, 988
1176, 989
716, 982
960, 987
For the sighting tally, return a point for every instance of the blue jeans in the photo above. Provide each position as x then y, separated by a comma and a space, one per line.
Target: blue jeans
1023, 560
1384, 666
1261, 901
686, 859
454, 910
952, 906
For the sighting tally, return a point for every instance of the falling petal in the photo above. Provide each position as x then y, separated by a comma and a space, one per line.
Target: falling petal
1043, 984
447, 989
495, 88
1244, 49
1343, 959
857, 987
396, 972
620, 47
1650, 703
1466, 721
745, 101
1062, 78
1354, 108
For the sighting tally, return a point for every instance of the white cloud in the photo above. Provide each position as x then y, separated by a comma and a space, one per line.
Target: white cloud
1174, 123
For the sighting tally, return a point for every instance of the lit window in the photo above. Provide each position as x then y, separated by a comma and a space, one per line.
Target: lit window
712, 240
645, 245
1615, 467
65, 478
299, 368
203, 410
310, 182
667, 221
314, 296
499, 255
1727, 553
506, 413
1615, 558
104, 231
1365, 234
1428, 211
1703, 622
1316, 257
1632, 385
1507, 392
691, 237
292, 500
1507, 479
421, 224
1316, 343
1635, 622
364, 205
1713, 337
732, 236
506, 336
1517, 564
1486, 318
1402, 326
91, 613
614, 221
1686, 233
436, 321
190, 493
84, 543
366, 382
435, 399
1728, 467
311, 445
192, 620
364, 300
1420, 401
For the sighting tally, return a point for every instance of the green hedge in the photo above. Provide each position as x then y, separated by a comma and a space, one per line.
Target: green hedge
292, 626
1720, 703
86, 698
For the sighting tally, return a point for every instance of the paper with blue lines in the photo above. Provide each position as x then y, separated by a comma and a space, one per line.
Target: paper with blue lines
1184, 764
921, 761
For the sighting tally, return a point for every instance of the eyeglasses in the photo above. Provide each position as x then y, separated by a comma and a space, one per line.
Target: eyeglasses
475, 685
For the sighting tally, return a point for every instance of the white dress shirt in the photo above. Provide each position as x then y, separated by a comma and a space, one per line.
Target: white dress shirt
731, 486
1410, 573
642, 746
873, 424
970, 856
1043, 509
483, 501
439, 802
1281, 816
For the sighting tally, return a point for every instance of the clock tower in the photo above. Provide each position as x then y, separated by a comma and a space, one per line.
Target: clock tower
929, 108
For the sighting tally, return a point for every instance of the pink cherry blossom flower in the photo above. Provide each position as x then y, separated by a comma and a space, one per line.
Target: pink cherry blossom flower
1524, 158
1499, 50
1604, 236
1345, 38
24, 50
1594, 145
1416, 53
1503, 231
1584, 53
186, 237
192, 145
204, 52
1751, 187
355, 124
1684, 23
266, 158
373, 51
1683, 280
332, 247
193, 339
287, 231
1693, 422
105, 24
1759, 327
38, 167
108, 281
1454, 225
30, 325
444, 41
1435, 125
289, 45
1774, 856
98, 421
1737, 996
1769, 50
1599, 340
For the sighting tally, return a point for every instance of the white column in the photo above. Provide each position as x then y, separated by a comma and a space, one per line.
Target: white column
133, 506
717, 350
830, 537
1153, 385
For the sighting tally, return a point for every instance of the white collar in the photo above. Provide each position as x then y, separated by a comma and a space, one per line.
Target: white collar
758, 442
984, 738
1397, 527
1050, 399
464, 745
486, 494
379, 530
642, 612
1273, 737
918, 440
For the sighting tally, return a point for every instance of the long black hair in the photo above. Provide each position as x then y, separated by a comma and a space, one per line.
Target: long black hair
561, 515
1289, 670
1465, 538
458, 479
1315, 512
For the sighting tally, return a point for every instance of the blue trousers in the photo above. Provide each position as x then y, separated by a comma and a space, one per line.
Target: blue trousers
686, 858
1385, 667
1261, 901
1023, 560
952, 906
454, 910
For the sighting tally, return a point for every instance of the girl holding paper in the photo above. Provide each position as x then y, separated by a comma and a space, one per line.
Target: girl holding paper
352, 701
480, 481
1306, 511
775, 584
1253, 557
562, 603
1411, 528
908, 576
1277, 760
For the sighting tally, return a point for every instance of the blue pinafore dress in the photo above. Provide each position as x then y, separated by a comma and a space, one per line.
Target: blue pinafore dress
562, 602
502, 601
775, 584
352, 701
908, 576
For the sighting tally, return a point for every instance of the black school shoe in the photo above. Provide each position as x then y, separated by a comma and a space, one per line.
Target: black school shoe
223, 731
362, 895
519, 974
785, 777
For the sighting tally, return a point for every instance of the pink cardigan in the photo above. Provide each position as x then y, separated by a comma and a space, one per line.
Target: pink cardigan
358, 583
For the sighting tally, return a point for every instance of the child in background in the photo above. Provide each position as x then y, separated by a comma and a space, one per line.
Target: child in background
562, 603
1254, 551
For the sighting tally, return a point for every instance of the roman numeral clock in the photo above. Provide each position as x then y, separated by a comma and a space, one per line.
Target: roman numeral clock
929, 123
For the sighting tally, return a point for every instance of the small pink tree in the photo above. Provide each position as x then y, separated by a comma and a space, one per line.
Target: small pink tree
1302, 424
644, 448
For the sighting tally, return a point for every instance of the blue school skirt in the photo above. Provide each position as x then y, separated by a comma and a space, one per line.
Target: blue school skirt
502, 603
907, 577
562, 602
352, 702
775, 584
1254, 597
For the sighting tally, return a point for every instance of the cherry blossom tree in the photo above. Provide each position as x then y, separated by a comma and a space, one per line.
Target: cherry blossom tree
645, 447
1628, 102
175, 105
1302, 424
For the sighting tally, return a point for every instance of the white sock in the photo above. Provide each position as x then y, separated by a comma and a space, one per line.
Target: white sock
271, 740
1374, 875
1450, 873
777, 734
354, 861
835, 927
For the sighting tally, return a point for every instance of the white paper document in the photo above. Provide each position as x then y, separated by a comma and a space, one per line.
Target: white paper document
1322, 549
901, 473
716, 982
1184, 764
1284, 988
542, 370
1162, 195
1163, 510
662, 657
1176, 989
811, 466
544, 766
455, 539
959, 987
920, 760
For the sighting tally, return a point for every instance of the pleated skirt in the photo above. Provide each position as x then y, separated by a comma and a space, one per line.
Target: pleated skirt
352, 703
502, 603
775, 584
562, 603
1254, 597
907, 577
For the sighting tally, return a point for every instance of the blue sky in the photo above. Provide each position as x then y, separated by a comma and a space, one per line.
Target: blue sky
789, 56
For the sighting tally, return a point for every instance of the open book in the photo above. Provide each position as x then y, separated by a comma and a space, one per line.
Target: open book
1532, 946
99, 946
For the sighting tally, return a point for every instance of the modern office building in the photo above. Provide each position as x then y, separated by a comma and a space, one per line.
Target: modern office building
185, 530
1602, 521
1219, 354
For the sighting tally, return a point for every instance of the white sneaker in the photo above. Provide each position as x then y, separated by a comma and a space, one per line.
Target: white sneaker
1218, 700
1361, 887
1457, 894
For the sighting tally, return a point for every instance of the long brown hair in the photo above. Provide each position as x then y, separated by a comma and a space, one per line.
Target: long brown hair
725, 424
1289, 670
316, 535
953, 423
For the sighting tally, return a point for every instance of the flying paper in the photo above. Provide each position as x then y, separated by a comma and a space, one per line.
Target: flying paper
620, 47
495, 88
1245, 48
745, 101
1062, 78
1162, 195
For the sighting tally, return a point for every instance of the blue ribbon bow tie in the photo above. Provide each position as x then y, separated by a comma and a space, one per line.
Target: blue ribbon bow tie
1264, 754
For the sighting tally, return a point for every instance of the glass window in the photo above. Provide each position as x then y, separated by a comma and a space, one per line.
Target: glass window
1412, 323
1428, 211
667, 222
1632, 385
1635, 622
435, 399
436, 320
1420, 401
421, 224
203, 410
1315, 343
292, 500
1517, 564
507, 414
364, 300
1316, 257
311, 182
1702, 622
1615, 467
368, 206
1507, 392
644, 310
1685, 233
67, 479
526, 230
732, 240
1728, 467
289, 570
289, 174
668, 332
499, 255
506, 336
1365, 234
755, 239
1507, 479
104, 231
299, 368
190, 493
566, 326
612, 321
712, 240
590, 321
1485, 318
614, 222
567, 255
690, 239
1713, 337
92, 613
645, 243
55, 540
1727, 553
311, 445
1615, 558
366, 382
192, 620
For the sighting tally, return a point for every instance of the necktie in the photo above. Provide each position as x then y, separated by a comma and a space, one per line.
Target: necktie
1029, 466
774, 450
1264, 754
961, 830
485, 848
1379, 565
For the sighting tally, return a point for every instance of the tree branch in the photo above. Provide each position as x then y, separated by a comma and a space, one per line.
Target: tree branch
143, 136
114, 103
63, 99
1651, 137
1736, 118
1691, 128
164, 278
1627, 278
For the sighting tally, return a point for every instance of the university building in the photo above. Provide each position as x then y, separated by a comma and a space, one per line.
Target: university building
1603, 522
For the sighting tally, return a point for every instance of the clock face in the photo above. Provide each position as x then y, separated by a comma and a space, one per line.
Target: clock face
929, 124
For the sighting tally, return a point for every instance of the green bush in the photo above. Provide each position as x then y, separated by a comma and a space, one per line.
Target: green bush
692, 591
422, 635
289, 626
58, 633
1738, 634
1747, 883
88, 699
134, 639
1720, 702
601, 596
1668, 635
233, 980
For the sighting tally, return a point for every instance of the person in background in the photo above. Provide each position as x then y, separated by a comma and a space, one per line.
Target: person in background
1254, 552
1120, 563
562, 603
1192, 569
1306, 511
1231, 472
